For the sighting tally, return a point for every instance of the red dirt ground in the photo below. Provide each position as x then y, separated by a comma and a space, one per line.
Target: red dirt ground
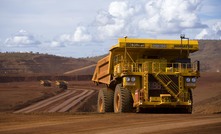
207, 101
15, 95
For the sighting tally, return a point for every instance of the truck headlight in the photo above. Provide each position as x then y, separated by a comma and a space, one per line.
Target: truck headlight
128, 79
188, 79
133, 79
193, 79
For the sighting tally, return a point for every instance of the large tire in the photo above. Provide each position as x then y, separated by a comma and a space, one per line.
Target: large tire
190, 108
140, 110
105, 100
123, 101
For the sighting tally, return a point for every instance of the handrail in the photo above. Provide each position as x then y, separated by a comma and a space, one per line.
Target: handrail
155, 67
174, 67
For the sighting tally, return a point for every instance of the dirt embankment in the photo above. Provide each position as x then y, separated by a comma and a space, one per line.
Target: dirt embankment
207, 95
31, 78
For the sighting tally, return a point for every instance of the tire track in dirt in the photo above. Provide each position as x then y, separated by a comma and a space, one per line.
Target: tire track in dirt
66, 102
73, 103
42, 102
59, 103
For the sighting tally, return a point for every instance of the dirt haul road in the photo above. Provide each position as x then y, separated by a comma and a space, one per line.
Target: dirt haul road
203, 120
59, 103
128, 123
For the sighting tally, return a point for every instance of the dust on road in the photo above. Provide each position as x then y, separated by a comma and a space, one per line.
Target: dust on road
107, 123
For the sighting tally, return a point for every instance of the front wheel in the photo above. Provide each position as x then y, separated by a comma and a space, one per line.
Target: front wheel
105, 100
123, 101
190, 108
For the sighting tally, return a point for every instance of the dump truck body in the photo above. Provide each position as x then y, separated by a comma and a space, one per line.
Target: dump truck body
155, 73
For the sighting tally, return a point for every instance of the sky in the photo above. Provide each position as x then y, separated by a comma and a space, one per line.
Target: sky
83, 28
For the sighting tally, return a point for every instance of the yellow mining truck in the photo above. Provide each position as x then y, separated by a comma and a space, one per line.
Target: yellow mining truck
46, 83
62, 84
146, 74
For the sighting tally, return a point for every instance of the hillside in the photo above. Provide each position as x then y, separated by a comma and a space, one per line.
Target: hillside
42, 64
96, 58
209, 55
31, 64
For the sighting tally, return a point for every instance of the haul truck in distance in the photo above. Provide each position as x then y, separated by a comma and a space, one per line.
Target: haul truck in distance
147, 73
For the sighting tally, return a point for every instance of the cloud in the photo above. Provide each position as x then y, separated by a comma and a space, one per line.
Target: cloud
55, 44
137, 18
120, 9
130, 18
80, 35
217, 28
103, 18
116, 21
202, 34
169, 16
212, 32
21, 39
111, 29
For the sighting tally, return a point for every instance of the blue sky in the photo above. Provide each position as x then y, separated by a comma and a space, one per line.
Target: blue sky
80, 28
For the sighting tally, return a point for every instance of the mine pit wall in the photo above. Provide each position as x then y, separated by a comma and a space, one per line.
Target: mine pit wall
6, 79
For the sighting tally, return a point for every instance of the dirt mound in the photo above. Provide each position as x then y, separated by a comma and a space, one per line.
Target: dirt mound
207, 95
208, 106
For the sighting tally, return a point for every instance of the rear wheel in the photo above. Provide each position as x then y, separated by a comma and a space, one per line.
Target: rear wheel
123, 101
105, 100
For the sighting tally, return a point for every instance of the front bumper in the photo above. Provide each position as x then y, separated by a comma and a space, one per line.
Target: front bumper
164, 104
